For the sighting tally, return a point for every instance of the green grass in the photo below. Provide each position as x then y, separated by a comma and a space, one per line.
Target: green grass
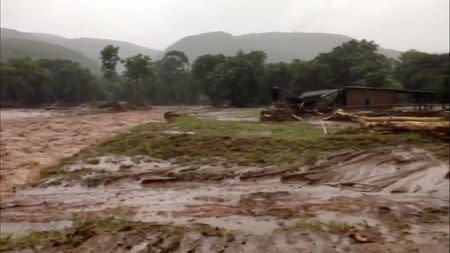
241, 143
168, 237
80, 232
307, 224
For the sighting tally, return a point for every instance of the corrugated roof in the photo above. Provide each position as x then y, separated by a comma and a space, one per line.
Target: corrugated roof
317, 93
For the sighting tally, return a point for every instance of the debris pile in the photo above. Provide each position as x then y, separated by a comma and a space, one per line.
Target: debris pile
278, 112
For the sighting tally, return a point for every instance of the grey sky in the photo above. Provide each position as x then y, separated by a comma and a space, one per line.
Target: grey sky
396, 24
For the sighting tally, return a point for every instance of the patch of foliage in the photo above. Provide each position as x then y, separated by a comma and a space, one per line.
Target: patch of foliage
34, 82
165, 238
312, 225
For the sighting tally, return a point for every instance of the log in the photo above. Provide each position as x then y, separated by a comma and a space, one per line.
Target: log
339, 114
422, 119
323, 127
434, 124
442, 126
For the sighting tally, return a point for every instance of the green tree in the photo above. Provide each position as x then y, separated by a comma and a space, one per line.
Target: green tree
423, 71
34, 82
202, 68
109, 57
357, 62
279, 75
238, 80
174, 82
70, 82
174, 60
140, 75
205, 64
24, 81
309, 75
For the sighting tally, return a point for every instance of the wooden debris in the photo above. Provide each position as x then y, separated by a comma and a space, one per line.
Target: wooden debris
339, 114
422, 119
297, 117
395, 123
441, 126
277, 112
323, 127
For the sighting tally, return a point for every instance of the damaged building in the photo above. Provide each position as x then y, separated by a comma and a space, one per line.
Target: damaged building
360, 97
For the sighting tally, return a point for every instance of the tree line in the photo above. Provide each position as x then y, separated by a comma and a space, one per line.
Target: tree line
241, 80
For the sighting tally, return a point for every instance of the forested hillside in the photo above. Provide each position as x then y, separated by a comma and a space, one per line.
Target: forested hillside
89, 47
19, 48
244, 79
279, 47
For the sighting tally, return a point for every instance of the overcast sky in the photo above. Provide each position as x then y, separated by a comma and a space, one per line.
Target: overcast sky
396, 24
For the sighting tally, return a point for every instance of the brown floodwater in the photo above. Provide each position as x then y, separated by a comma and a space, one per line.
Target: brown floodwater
32, 139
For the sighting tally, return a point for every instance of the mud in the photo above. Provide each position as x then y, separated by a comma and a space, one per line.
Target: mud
35, 138
403, 170
318, 208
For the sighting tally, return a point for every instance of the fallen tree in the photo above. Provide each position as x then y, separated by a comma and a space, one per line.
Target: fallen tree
435, 124
396, 118
441, 126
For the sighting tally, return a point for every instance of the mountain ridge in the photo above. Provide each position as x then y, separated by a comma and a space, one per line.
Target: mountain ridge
89, 47
279, 46
17, 48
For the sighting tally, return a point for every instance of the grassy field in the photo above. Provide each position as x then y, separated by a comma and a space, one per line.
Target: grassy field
192, 141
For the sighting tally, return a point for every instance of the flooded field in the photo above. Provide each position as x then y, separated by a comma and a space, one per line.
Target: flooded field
201, 185
35, 138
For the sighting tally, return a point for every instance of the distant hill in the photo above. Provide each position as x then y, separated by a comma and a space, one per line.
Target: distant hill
277, 45
18, 48
89, 47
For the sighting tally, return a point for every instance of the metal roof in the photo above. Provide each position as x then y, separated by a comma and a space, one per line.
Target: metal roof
317, 93
325, 93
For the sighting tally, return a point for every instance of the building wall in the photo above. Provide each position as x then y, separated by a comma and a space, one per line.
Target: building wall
357, 97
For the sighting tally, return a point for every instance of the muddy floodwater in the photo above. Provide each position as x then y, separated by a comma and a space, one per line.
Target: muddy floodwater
32, 139
392, 199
